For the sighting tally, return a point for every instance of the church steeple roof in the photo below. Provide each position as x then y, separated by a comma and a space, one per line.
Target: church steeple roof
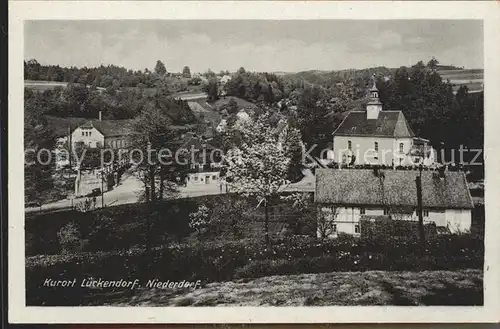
374, 93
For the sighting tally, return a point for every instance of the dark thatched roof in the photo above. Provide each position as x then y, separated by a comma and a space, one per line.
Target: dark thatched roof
388, 124
392, 188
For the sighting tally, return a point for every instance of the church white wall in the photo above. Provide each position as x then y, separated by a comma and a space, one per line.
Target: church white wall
364, 149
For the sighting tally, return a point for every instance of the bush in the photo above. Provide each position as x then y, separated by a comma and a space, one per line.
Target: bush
69, 237
386, 228
227, 260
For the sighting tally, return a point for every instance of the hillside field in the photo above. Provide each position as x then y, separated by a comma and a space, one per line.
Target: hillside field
463, 287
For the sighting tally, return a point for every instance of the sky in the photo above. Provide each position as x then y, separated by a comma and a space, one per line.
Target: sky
256, 45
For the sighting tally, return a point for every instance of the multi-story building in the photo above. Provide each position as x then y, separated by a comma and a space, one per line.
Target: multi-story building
377, 136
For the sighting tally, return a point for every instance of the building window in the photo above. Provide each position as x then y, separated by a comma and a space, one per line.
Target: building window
426, 213
214, 177
349, 145
375, 145
386, 211
90, 133
401, 147
334, 228
83, 133
195, 178
362, 211
356, 228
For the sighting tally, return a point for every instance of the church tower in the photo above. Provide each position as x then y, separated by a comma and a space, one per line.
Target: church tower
374, 106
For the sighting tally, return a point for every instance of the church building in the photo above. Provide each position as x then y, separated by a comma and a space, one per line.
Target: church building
377, 136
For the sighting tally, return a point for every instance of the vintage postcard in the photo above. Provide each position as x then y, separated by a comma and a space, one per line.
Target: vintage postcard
253, 162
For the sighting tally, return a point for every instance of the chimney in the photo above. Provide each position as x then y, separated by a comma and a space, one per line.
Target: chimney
100, 115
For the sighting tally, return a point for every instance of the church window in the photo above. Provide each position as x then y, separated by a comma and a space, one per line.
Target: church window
401, 147
356, 228
349, 145
376, 146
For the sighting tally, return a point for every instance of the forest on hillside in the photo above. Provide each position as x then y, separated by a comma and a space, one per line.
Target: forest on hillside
314, 101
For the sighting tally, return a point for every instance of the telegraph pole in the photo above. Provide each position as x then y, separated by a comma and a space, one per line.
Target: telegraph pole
418, 181
102, 186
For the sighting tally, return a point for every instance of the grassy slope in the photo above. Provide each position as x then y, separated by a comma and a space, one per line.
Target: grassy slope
340, 288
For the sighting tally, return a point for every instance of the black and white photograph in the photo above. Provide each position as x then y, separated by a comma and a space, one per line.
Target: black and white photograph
254, 163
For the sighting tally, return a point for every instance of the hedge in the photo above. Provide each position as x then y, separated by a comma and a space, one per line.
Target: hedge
245, 259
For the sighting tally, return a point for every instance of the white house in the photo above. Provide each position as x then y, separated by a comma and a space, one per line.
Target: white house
88, 135
344, 195
376, 136
205, 162
114, 134
242, 118
225, 79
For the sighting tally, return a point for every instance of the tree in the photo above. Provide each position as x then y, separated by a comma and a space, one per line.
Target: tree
157, 169
186, 72
259, 166
304, 207
326, 220
160, 68
433, 64
294, 151
39, 141
212, 89
232, 107
423, 97
312, 117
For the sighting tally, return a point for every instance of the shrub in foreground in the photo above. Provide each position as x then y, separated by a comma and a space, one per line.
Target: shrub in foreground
221, 261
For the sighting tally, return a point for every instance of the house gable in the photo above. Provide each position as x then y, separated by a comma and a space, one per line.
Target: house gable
402, 129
